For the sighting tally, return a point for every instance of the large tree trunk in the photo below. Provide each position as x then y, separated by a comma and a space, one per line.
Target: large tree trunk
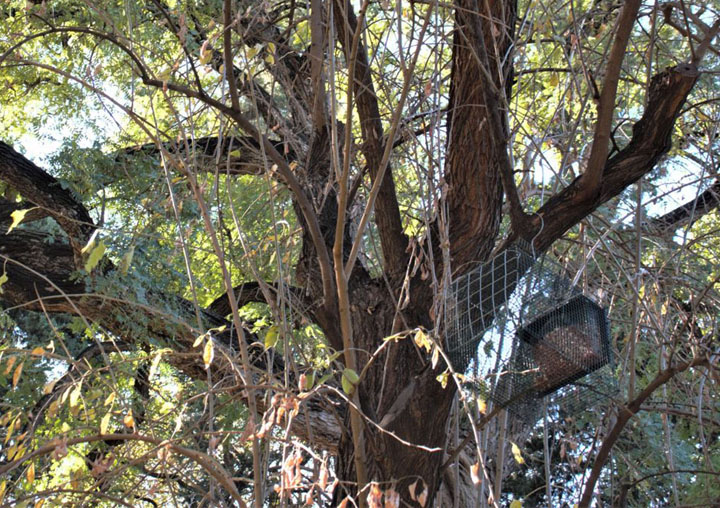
401, 391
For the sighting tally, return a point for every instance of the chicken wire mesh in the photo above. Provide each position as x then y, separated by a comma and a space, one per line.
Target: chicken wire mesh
520, 332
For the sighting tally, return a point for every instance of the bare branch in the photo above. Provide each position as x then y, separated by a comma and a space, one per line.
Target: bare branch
249, 292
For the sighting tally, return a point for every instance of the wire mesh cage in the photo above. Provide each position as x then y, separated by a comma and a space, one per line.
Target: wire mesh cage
520, 332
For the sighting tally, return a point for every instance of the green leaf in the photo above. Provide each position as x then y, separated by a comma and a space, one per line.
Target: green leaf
17, 218
3, 280
271, 337
95, 256
349, 380
126, 260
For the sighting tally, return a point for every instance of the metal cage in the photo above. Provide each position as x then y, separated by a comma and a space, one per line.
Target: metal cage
522, 334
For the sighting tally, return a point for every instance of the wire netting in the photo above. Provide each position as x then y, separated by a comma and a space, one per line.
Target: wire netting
520, 332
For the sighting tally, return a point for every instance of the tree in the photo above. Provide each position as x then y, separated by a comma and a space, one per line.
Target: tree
274, 202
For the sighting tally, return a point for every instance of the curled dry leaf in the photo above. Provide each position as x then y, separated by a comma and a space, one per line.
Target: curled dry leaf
374, 497
128, 420
60, 450
411, 489
422, 497
392, 498
475, 473
323, 479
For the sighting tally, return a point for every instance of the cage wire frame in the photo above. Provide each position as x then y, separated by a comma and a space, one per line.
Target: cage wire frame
520, 332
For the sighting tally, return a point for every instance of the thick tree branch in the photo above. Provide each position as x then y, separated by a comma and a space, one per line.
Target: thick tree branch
474, 184
601, 139
651, 140
45, 191
686, 214
387, 212
249, 292
39, 278
238, 155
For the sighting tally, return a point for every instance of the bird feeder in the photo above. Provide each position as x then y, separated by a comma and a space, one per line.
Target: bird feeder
567, 343
521, 333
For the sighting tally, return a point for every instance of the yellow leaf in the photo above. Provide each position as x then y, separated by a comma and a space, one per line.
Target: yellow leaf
126, 260
3, 280
128, 420
30, 474
208, 353
95, 256
48, 388
235, 153
53, 409
516, 504
443, 379
155, 364
17, 217
16, 374
554, 79
199, 340
38, 351
110, 399
482, 406
349, 380
104, 423
3, 487
517, 453
422, 340
39, 503
75, 396
205, 53
90, 243
10, 430
271, 337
